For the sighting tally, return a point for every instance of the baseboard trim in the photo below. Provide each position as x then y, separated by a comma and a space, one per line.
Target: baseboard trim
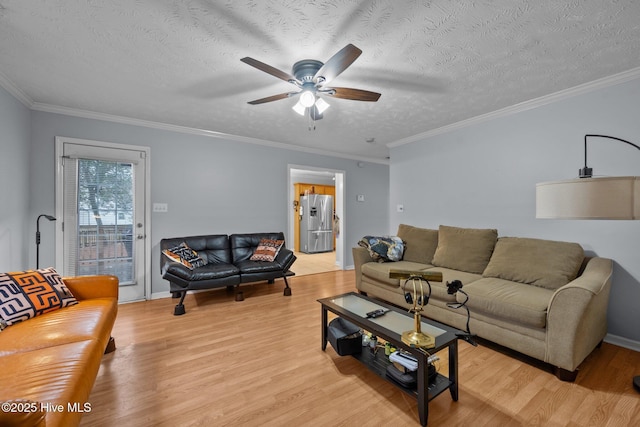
622, 342
159, 295
167, 293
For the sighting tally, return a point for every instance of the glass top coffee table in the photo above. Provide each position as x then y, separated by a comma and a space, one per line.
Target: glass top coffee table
354, 308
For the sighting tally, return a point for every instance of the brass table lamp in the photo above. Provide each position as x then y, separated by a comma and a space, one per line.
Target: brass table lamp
415, 337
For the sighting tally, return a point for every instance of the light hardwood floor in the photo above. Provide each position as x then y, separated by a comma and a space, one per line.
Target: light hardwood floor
258, 362
314, 263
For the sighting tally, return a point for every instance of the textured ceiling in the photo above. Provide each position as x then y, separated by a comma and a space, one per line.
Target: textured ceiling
435, 62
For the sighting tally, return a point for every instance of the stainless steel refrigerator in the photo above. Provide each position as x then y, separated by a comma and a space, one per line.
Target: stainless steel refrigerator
316, 223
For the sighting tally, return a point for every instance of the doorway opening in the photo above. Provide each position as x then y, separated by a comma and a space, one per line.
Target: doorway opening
307, 184
102, 198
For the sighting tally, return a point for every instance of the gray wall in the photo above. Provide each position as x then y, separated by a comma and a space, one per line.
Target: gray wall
15, 142
211, 185
484, 175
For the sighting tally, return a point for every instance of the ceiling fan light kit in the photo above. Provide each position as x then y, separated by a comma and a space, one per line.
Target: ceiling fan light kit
307, 98
322, 105
310, 76
299, 108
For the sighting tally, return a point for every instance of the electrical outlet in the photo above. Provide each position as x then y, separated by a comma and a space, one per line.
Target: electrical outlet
400, 208
360, 197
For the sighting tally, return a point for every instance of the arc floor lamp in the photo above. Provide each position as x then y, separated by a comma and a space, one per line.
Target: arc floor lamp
587, 197
50, 218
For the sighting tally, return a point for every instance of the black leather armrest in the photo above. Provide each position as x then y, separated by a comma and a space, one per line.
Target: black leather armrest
285, 258
165, 263
175, 268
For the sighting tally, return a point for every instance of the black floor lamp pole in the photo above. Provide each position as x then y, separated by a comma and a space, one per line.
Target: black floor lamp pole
50, 218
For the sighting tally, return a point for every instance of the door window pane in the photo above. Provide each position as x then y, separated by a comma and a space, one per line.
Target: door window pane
105, 219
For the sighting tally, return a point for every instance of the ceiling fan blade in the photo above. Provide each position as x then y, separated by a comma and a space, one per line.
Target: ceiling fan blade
337, 64
272, 98
270, 70
354, 94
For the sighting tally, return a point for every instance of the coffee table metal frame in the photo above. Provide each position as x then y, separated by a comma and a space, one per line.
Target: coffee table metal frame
377, 361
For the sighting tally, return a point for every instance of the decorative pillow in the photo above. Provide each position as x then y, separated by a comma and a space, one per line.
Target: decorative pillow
465, 249
185, 256
27, 294
544, 263
267, 250
381, 249
419, 243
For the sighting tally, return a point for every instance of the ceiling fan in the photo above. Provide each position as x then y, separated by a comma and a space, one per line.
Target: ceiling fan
310, 76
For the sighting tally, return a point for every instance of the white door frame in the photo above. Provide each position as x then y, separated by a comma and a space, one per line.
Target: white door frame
59, 141
340, 185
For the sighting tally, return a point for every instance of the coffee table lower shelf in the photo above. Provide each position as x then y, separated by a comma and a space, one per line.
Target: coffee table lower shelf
353, 307
377, 363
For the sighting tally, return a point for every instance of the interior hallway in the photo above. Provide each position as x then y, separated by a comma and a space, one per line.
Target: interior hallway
314, 263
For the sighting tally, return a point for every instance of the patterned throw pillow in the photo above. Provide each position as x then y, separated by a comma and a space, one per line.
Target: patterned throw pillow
27, 294
267, 250
383, 248
185, 256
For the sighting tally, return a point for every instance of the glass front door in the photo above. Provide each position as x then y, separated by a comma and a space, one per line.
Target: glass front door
104, 205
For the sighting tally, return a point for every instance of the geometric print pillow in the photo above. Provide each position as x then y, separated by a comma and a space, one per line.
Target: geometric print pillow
185, 256
26, 294
267, 250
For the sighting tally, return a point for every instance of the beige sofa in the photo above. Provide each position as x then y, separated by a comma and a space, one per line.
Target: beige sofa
542, 298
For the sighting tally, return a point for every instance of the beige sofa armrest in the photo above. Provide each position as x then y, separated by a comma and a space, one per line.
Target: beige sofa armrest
360, 256
577, 315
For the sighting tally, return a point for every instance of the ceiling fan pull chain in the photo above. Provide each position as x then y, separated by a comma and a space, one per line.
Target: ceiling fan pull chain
311, 121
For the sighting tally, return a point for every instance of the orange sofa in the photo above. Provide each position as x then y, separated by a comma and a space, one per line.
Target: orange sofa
48, 364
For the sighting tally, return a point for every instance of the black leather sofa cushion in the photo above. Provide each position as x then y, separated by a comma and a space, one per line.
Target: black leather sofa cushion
206, 272
213, 249
243, 245
248, 266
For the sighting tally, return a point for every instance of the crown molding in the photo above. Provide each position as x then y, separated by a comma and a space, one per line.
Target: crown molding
14, 90
21, 96
517, 108
605, 82
56, 109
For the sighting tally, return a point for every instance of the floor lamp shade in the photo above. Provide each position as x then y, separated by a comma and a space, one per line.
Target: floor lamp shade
589, 198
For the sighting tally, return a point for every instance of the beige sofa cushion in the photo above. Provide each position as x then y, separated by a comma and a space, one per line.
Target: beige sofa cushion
439, 289
380, 271
419, 243
465, 249
507, 300
543, 263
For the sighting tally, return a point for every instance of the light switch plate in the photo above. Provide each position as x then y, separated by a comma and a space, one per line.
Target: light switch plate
160, 207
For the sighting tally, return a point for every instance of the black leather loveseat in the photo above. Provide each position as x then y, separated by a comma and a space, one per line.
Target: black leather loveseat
228, 264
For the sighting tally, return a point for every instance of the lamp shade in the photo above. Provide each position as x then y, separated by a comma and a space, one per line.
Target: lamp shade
589, 198
307, 98
299, 108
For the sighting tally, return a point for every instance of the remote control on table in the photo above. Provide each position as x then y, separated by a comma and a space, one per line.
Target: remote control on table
376, 313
